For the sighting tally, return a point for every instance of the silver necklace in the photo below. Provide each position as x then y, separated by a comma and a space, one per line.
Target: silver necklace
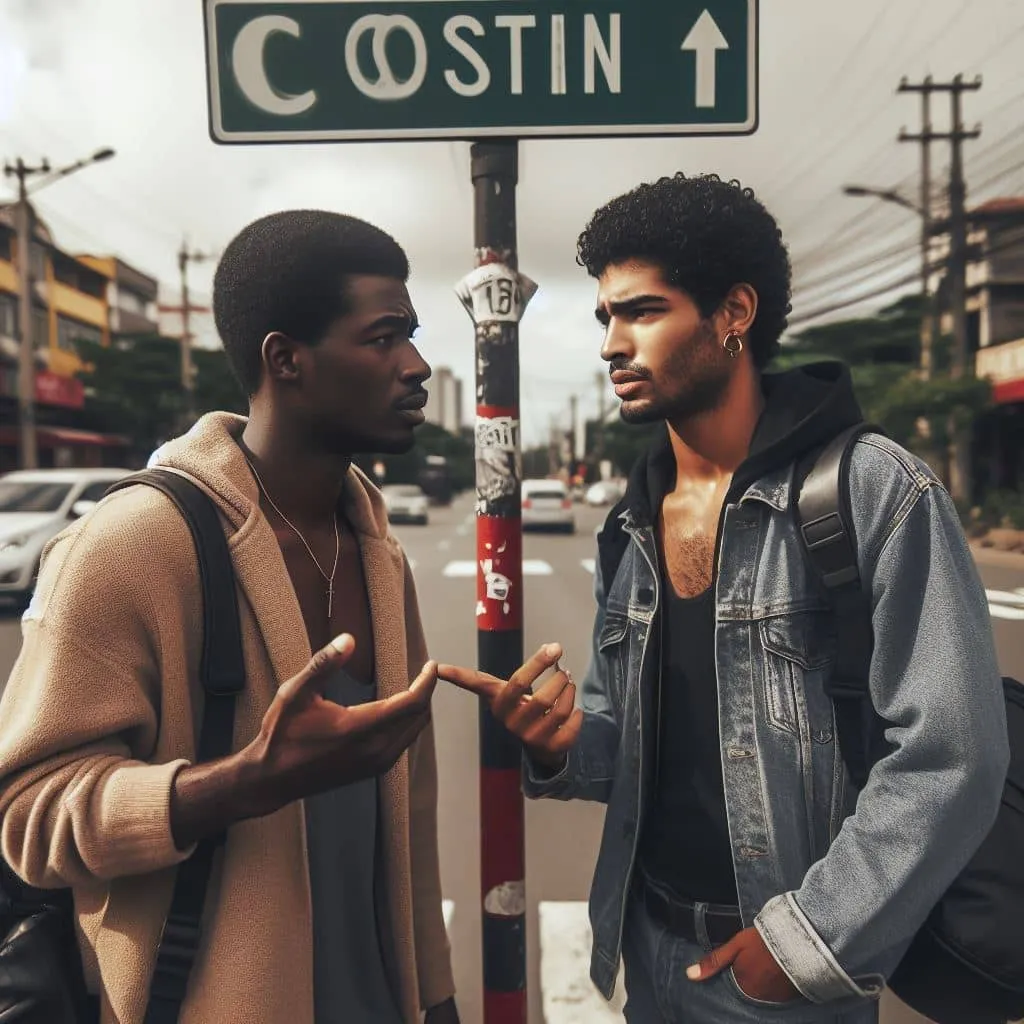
337, 542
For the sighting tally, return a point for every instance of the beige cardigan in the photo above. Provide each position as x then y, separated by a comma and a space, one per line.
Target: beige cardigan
102, 709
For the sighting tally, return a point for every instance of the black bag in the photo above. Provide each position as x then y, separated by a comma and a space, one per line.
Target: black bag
966, 964
41, 979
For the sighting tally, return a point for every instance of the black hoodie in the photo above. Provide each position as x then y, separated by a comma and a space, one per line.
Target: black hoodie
685, 844
804, 409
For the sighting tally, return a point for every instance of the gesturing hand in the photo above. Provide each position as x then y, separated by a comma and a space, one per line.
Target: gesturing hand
546, 721
308, 744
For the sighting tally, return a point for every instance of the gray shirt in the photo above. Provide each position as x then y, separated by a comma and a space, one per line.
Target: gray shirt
351, 950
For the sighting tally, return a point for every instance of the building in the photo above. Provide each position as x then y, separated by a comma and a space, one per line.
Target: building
444, 408
131, 297
70, 301
995, 329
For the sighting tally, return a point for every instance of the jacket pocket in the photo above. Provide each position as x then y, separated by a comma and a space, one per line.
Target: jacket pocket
613, 646
799, 648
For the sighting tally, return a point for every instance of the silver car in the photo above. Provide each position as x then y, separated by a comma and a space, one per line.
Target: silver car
406, 503
35, 505
546, 504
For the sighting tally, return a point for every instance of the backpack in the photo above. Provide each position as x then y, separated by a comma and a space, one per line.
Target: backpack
966, 964
41, 979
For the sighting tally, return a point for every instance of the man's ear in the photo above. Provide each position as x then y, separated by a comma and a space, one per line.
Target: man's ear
738, 310
280, 357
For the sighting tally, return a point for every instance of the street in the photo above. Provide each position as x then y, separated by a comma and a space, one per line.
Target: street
562, 839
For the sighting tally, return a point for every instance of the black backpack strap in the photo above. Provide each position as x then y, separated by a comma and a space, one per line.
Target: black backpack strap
222, 673
826, 529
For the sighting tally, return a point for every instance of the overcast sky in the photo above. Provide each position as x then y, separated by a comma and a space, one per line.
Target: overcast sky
76, 75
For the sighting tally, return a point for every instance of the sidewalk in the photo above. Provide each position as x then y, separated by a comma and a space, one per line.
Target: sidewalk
996, 558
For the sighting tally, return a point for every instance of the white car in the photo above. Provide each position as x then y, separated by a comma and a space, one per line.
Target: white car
546, 504
406, 503
605, 492
35, 505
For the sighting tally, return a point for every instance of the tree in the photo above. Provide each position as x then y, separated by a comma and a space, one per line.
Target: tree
882, 354
456, 449
133, 388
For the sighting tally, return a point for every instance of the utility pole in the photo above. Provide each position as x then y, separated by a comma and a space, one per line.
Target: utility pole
961, 363
925, 138
188, 383
602, 381
574, 438
185, 310
28, 448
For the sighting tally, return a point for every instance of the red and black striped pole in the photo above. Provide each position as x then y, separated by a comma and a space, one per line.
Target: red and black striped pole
496, 295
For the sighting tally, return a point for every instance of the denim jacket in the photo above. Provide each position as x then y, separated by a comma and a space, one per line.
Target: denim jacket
836, 882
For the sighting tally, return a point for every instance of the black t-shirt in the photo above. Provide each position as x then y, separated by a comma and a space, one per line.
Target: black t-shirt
685, 842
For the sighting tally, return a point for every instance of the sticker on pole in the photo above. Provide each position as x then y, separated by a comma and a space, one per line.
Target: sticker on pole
495, 293
497, 457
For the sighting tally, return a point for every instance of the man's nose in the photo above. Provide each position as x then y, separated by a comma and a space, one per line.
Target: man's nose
417, 369
617, 343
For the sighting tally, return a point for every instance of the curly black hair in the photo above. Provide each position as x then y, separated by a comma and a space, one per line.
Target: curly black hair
287, 272
707, 235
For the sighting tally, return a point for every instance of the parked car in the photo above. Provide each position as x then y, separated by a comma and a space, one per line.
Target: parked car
605, 492
546, 505
35, 505
406, 503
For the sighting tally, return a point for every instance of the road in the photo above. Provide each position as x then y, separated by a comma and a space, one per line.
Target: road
562, 839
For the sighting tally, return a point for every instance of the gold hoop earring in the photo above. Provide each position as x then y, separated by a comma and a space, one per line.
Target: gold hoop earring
733, 344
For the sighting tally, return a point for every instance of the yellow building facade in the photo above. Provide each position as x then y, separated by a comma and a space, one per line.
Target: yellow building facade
70, 298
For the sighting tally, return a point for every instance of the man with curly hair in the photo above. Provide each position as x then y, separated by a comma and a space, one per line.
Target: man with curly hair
741, 877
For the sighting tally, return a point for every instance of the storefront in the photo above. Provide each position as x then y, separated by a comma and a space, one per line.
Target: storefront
999, 436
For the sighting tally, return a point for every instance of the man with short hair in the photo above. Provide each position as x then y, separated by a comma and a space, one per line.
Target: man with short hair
327, 908
741, 877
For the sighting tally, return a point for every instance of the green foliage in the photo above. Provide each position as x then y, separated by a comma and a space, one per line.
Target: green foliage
431, 439
134, 388
882, 353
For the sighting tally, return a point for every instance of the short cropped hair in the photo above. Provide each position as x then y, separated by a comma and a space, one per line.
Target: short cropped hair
287, 272
706, 235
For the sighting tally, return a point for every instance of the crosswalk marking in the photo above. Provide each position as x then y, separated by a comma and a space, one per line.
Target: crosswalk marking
1003, 604
567, 993
531, 567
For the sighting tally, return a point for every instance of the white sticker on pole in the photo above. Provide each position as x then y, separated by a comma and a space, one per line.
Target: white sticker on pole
495, 293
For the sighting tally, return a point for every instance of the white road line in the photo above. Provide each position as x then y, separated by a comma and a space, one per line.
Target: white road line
1005, 604
567, 993
535, 567
459, 569
531, 567
588, 564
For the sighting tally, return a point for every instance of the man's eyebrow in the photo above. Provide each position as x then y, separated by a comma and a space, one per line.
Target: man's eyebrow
395, 321
618, 307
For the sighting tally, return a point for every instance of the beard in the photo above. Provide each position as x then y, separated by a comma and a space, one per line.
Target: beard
692, 382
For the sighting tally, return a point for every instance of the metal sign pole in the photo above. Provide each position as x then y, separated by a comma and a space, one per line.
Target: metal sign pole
495, 294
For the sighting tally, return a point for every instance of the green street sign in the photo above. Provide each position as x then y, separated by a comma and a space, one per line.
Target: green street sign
343, 70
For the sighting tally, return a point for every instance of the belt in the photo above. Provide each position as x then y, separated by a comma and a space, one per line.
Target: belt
681, 917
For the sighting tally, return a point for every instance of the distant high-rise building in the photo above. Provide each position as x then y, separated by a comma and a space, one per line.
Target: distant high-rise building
445, 405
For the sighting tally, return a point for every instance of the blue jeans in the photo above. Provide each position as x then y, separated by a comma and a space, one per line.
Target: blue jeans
658, 991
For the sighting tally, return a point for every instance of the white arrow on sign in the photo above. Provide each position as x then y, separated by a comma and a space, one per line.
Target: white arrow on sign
705, 40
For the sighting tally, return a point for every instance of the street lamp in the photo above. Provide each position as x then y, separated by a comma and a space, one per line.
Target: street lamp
890, 195
24, 224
